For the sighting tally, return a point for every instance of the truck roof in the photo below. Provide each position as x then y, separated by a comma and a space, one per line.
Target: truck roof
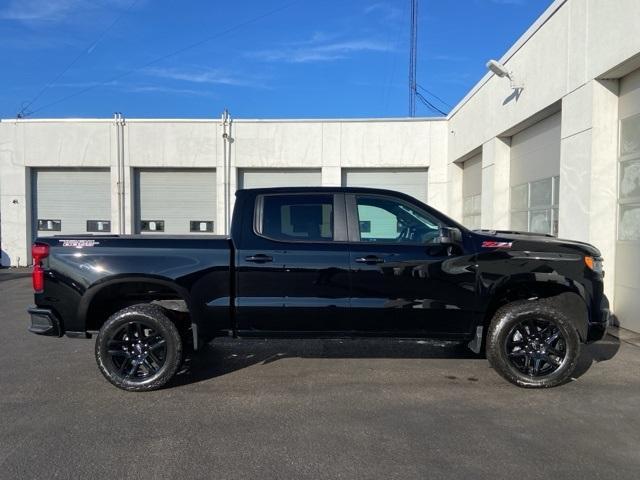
318, 189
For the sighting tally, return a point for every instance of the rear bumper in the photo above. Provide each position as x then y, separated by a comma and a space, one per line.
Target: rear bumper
44, 322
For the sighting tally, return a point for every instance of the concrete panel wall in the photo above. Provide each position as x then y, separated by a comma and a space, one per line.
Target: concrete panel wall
171, 143
325, 145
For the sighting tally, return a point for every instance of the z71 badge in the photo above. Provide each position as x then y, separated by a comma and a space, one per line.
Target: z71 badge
79, 243
490, 244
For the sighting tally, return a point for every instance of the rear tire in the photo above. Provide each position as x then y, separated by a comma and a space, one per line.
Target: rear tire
533, 344
139, 348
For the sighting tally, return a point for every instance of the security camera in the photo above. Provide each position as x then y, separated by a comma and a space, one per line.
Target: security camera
499, 69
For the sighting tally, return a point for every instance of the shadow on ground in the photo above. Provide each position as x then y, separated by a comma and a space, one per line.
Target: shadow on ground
224, 356
601, 351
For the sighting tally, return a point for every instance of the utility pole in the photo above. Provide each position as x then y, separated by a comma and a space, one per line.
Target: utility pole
413, 57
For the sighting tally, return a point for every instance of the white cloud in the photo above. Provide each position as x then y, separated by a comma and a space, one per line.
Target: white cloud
35, 10
448, 58
168, 90
203, 75
51, 11
386, 9
509, 2
135, 88
305, 52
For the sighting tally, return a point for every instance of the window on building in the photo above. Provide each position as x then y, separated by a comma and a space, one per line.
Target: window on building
471, 211
534, 206
388, 220
629, 178
297, 217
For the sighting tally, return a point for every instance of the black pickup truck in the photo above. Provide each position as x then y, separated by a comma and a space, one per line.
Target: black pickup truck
323, 262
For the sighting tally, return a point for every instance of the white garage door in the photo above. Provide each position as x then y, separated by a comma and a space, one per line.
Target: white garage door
277, 177
472, 192
411, 181
535, 180
627, 274
71, 201
175, 201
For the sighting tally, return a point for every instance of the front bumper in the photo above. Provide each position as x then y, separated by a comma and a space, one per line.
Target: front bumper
44, 322
597, 328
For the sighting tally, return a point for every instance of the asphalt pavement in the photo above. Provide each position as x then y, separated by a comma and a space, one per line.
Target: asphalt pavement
312, 409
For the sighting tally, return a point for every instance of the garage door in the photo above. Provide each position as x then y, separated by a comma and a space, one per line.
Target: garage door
174, 201
535, 180
627, 274
406, 180
276, 177
71, 201
472, 192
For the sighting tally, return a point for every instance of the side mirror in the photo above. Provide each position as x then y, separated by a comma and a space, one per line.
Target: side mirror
449, 236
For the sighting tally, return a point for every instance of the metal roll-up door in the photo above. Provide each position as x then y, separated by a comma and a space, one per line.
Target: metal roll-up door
279, 177
71, 201
535, 151
472, 192
412, 181
535, 177
175, 201
627, 273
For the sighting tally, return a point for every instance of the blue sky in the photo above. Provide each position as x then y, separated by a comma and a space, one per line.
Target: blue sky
301, 59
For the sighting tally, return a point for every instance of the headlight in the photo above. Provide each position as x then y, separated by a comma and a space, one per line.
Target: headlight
594, 264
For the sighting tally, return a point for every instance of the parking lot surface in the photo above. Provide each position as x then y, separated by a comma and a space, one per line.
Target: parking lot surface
310, 409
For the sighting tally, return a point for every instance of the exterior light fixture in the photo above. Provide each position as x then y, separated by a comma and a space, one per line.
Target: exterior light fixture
501, 71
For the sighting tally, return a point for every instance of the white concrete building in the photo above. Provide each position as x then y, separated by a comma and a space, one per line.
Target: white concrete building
561, 155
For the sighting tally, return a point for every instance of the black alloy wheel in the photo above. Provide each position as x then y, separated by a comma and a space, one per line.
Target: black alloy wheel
534, 343
536, 347
137, 351
139, 348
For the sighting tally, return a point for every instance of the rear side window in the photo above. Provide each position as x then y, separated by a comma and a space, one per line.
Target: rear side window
297, 217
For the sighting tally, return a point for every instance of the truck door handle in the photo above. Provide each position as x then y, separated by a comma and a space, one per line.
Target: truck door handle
370, 259
259, 258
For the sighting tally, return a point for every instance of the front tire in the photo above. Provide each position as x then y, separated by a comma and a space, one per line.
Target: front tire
139, 348
533, 344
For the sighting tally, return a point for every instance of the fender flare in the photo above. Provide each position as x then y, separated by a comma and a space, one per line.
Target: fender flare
572, 299
94, 289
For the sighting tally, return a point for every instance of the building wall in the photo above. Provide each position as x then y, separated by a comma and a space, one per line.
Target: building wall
570, 60
325, 145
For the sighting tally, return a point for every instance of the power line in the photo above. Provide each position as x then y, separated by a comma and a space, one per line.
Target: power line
428, 104
434, 96
172, 54
24, 110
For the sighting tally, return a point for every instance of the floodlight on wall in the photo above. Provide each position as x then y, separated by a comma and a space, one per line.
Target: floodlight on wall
501, 71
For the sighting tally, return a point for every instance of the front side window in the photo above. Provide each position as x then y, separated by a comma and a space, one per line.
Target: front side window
297, 217
387, 220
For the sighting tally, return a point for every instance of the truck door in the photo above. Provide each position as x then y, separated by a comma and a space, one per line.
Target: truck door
293, 265
403, 283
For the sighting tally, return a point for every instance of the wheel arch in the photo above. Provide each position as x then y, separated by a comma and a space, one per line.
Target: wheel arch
104, 298
566, 295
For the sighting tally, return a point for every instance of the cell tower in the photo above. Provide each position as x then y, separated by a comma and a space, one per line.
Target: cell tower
413, 57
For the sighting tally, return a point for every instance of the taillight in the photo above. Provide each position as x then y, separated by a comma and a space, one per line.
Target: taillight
39, 251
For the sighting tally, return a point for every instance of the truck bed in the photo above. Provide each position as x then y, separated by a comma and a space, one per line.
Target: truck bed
79, 267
